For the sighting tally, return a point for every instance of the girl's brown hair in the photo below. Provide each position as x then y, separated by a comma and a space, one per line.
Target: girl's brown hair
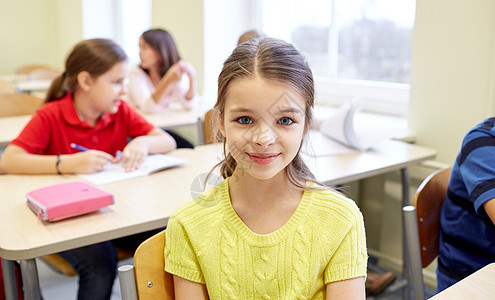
275, 60
162, 42
95, 56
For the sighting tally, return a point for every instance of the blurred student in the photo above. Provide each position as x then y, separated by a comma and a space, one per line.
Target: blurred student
467, 221
83, 106
268, 231
161, 78
250, 34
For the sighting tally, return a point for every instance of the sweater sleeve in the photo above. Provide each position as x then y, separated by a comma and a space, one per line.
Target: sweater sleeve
350, 258
180, 259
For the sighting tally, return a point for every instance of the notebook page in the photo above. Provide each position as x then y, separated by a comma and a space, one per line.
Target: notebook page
116, 172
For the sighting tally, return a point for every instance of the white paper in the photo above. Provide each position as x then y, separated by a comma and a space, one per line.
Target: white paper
316, 144
348, 130
116, 172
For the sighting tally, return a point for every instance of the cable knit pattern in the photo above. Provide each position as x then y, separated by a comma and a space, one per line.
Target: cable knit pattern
323, 241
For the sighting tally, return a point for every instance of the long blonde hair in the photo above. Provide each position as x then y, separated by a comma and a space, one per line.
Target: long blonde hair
274, 60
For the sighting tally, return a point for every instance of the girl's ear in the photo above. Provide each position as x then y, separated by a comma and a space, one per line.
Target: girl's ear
84, 80
221, 124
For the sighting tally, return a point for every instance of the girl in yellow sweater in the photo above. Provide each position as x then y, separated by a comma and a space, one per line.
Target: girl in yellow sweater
268, 231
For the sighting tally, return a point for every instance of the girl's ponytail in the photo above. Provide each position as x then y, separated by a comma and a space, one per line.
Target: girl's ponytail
57, 89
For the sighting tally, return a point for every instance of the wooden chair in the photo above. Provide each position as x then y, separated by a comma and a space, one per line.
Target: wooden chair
146, 279
13, 104
422, 224
208, 136
38, 71
7, 87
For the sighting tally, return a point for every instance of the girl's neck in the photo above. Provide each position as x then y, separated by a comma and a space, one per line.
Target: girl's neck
84, 111
264, 205
245, 188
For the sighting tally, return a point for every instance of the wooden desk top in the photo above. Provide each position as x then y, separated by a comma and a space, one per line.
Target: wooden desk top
387, 156
141, 204
146, 203
11, 127
176, 116
479, 285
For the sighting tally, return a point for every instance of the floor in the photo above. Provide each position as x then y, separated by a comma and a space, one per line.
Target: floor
55, 286
395, 291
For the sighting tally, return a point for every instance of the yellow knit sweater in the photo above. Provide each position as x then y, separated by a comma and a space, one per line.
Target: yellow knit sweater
323, 241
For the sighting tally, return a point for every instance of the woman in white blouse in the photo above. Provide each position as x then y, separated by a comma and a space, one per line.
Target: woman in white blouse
162, 77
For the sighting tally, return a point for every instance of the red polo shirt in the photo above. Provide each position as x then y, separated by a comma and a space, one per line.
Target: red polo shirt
56, 125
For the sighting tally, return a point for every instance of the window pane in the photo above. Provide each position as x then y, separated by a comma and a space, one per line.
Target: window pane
374, 39
305, 24
347, 39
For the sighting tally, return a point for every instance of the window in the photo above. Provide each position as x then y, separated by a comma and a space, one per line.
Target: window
122, 21
356, 48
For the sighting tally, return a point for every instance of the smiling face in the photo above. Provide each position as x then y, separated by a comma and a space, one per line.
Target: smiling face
264, 124
106, 90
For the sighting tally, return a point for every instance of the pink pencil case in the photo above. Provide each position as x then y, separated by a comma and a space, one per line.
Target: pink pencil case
65, 200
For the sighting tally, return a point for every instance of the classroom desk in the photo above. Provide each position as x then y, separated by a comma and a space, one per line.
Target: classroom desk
11, 127
141, 204
146, 203
479, 285
33, 85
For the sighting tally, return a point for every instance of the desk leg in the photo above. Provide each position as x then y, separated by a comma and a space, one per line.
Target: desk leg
9, 279
30, 279
405, 252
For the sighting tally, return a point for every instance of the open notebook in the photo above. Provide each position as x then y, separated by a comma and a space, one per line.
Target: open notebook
116, 172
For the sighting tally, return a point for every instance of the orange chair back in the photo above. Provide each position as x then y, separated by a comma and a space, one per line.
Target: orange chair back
152, 281
428, 201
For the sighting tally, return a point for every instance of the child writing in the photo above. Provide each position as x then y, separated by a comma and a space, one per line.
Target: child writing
268, 230
161, 78
83, 107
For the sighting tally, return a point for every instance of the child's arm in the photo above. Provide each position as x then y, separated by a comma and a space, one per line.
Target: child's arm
489, 207
156, 141
174, 74
346, 289
18, 161
185, 289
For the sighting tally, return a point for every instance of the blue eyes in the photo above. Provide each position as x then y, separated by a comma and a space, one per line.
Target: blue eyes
283, 121
245, 120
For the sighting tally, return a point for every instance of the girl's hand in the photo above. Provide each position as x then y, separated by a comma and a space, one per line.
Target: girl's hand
134, 153
86, 162
174, 73
188, 69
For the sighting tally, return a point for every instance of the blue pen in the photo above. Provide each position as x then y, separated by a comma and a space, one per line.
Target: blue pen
78, 147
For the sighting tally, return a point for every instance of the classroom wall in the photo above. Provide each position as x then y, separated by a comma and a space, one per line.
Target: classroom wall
184, 20
453, 72
205, 34
37, 31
